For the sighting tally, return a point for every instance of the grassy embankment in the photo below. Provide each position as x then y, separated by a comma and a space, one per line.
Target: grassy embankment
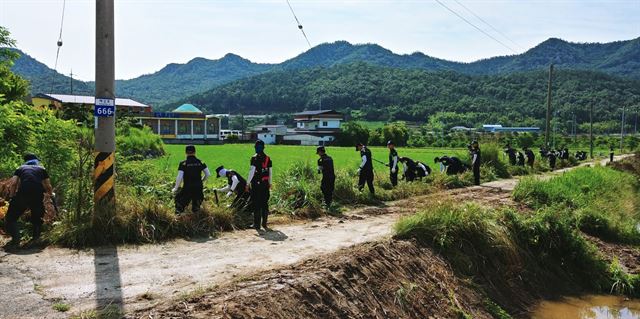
517, 257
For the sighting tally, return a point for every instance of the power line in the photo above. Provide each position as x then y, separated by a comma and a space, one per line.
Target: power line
476, 27
299, 24
59, 43
488, 24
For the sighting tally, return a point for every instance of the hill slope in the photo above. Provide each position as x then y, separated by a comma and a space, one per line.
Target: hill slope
383, 93
177, 81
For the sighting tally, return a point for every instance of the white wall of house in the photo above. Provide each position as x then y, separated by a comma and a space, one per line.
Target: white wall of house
306, 139
267, 137
329, 124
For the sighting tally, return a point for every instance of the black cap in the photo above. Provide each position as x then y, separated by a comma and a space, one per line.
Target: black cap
320, 149
259, 142
190, 149
390, 142
29, 157
218, 171
358, 145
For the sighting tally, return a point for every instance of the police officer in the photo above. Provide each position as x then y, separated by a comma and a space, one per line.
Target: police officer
409, 169
552, 156
393, 163
422, 170
511, 153
365, 171
190, 176
325, 167
32, 181
259, 185
475, 161
611, 154
450, 165
235, 184
531, 157
520, 161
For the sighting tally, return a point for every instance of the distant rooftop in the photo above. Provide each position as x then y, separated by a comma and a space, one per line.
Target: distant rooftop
187, 108
83, 99
307, 113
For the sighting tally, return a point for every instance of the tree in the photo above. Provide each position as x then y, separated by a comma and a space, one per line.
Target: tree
396, 132
352, 133
12, 86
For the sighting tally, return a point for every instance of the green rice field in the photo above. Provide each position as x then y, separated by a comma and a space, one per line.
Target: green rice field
236, 156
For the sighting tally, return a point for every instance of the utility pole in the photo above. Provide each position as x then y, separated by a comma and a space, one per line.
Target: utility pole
104, 162
548, 122
622, 132
71, 82
591, 132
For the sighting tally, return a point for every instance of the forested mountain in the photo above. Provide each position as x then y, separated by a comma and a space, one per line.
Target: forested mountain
385, 93
45, 80
178, 81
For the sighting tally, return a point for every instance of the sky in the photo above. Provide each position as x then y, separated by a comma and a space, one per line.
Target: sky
152, 33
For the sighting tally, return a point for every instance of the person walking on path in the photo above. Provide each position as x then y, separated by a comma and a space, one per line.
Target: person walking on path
325, 167
365, 172
190, 173
260, 174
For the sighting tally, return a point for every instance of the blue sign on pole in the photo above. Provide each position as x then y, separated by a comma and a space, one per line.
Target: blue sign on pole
104, 107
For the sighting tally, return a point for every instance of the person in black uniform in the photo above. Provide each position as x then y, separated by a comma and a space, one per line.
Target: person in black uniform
260, 185
475, 161
531, 157
611, 154
365, 171
422, 170
393, 163
552, 156
235, 184
450, 165
511, 153
520, 161
325, 167
190, 175
409, 169
32, 181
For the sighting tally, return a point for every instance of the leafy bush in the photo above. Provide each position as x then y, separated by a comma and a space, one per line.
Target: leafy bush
140, 142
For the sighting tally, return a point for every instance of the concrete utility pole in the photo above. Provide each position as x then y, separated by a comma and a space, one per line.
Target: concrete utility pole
548, 122
591, 132
622, 132
104, 112
71, 82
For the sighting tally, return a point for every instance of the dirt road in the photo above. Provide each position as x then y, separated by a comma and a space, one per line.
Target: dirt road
140, 276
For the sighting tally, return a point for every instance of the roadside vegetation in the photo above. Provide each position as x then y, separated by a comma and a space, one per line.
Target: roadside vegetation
517, 256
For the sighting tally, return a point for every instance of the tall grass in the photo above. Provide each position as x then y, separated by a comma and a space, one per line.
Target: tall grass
602, 202
500, 249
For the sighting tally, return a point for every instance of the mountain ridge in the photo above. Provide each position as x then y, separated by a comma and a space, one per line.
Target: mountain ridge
175, 81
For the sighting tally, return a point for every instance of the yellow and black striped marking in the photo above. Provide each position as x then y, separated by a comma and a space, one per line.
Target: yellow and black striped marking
103, 179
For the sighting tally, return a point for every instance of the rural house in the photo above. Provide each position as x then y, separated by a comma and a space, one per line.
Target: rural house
186, 124
62, 101
314, 128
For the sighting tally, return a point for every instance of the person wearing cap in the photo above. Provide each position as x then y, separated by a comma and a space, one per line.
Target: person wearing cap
409, 168
31, 183
422, 170
235, 184
475, 161
450, 165
365, 172
259, 185
190, 175
325, 167
393, 163
511, 153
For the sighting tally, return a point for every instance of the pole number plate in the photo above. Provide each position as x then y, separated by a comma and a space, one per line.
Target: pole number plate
104, 108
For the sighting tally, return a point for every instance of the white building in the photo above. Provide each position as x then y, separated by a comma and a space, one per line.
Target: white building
314, 128
270, 134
